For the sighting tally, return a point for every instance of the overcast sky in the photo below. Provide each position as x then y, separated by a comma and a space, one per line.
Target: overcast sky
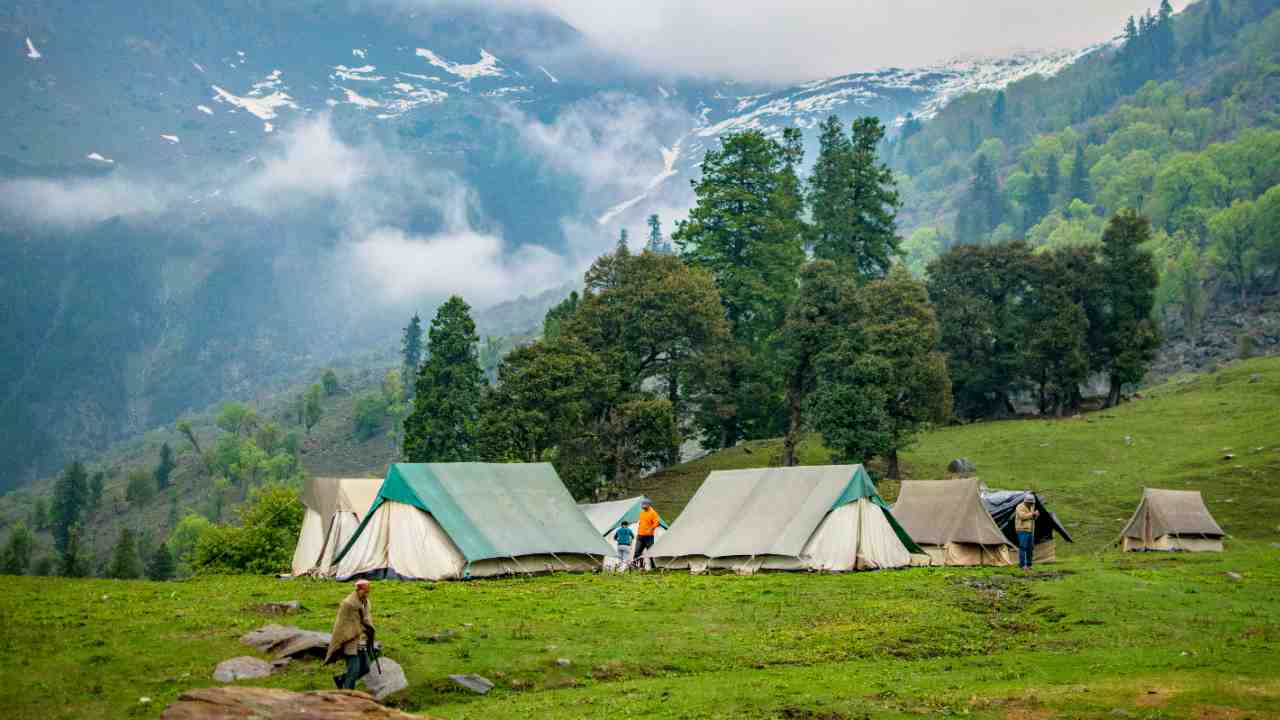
789, 40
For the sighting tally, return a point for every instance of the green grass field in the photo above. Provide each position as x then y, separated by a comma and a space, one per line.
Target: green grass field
1097, 635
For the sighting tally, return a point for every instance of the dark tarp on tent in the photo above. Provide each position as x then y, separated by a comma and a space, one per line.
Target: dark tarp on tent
1001, 504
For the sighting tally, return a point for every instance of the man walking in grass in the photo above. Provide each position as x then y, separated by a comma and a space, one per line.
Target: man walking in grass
1024, 521
646, 527
354, 619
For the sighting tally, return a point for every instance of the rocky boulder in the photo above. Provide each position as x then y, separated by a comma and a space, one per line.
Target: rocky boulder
281, 641
961, 466
240, 668
245, 703
390, 680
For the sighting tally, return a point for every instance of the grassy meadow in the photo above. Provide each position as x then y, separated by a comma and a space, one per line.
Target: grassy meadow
1099, 634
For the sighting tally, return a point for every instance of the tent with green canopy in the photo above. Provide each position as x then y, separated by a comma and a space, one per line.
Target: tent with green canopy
827, 518
433, 521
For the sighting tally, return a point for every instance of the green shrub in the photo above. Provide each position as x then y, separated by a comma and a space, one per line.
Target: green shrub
263, 541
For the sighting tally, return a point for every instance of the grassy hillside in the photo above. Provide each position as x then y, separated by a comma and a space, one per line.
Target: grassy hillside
1098, 635
1092, 468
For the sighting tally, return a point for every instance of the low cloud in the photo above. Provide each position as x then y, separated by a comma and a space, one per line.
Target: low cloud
72, 204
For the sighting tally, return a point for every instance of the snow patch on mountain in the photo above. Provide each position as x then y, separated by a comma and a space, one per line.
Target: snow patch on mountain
486, 67
98, 157
408, 97
197, 66
32, 52
358, 73
257, 102
354, 98
171, 138
548, 74
359, 52
205, 109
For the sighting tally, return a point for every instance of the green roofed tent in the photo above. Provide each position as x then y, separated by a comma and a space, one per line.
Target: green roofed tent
802, 518
608, 516
436, 521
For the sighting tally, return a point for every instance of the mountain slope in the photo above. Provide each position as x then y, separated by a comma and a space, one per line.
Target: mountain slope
203, 204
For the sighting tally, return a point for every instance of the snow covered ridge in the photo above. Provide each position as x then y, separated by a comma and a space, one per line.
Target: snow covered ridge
32, 52
487, 67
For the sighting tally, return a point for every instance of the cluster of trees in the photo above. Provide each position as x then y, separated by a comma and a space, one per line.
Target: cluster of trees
772, 311
1013, 319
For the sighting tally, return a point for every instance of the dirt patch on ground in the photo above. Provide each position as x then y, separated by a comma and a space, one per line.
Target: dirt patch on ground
795, 713
1154, 697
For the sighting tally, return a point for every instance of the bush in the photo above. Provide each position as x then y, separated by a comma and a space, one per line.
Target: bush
16, 557
330, 382
185, 537
262, 543
370, 412
141, 487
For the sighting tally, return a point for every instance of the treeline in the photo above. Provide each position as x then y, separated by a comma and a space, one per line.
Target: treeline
773, 309
1183, 151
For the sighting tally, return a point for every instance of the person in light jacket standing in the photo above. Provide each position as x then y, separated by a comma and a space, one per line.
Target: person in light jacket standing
1024, 521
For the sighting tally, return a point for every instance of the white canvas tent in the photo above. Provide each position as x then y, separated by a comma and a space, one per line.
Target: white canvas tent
335, 507
949, 521
606, 517
825, 518
437, 521
1172, 520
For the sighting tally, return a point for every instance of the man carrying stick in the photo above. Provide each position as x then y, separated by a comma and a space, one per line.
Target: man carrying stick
353, 620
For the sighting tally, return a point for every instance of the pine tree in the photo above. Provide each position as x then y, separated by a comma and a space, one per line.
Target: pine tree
313, 407
1038, 202
998, 110
16, 557
1163, 38
657, 243
1078, 185
69, 497
442, 426
982, 208
330, 382
73, 560
1129, 278
899, 326
853, 200
95, 490
817, 315
411, 353
161, 566
125, 564
165, 467
746, 231
1052, 176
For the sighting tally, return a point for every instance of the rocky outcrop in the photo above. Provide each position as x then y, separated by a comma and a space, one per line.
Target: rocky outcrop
243, 703
280, 641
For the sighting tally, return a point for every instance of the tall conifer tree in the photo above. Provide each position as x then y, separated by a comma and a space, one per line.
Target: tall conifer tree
442, 426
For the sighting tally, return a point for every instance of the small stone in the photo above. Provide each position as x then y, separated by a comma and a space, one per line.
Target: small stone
1234, 576
474, 683
563, 662
1229, 456
242, 667
440, 637
1128, 441
144, 700
1255, 378
961, 466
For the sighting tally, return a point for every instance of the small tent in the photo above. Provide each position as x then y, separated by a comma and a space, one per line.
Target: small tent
1001, 504
948, 520
1172, 520
799, 518
334, 508
436, 521
607, 516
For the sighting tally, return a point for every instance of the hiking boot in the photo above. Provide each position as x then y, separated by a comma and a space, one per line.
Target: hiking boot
337, 680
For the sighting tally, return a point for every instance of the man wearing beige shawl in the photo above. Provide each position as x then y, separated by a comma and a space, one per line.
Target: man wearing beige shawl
354, 620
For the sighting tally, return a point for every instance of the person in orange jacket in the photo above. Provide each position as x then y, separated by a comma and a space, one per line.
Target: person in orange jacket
645, 528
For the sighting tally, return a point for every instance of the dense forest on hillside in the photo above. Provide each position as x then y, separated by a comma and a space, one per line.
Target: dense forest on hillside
1178, 121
